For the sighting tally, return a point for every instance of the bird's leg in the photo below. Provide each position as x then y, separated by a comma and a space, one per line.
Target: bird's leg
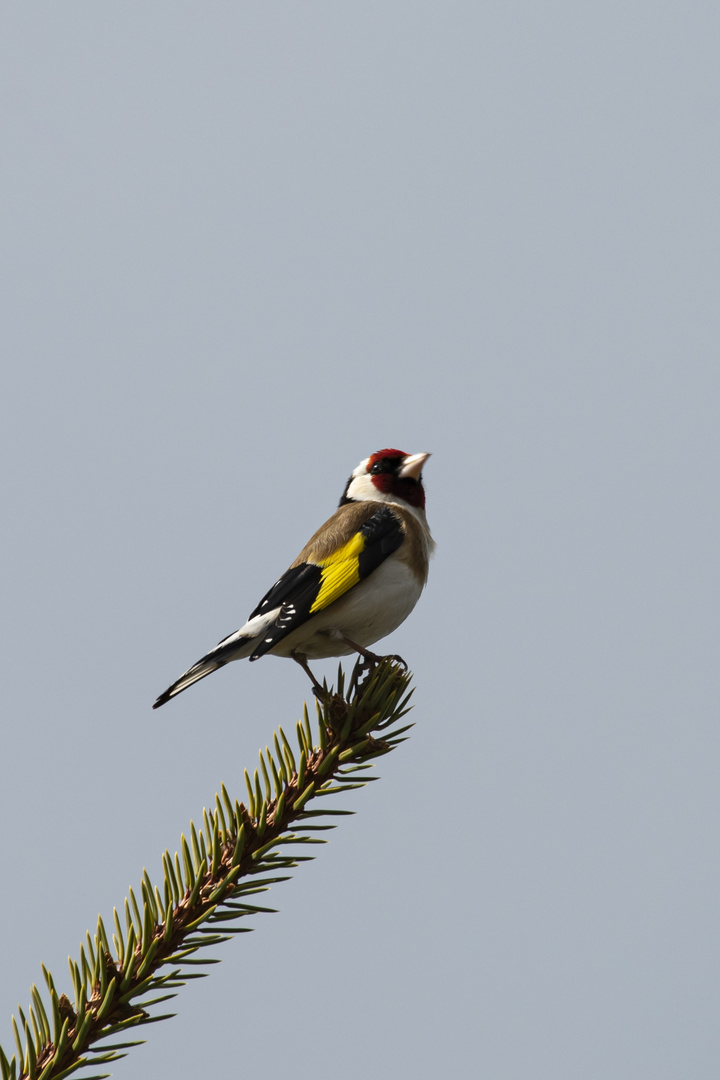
301, 659
369, 659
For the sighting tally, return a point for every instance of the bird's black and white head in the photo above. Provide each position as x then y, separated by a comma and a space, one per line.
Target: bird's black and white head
388, 476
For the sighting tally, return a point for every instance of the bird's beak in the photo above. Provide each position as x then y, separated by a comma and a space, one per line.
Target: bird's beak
412, 466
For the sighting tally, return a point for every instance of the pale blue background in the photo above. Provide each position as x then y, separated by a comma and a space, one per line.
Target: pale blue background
243, 246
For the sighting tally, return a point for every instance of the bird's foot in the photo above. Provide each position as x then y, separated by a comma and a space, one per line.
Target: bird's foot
397, 659
322, 694
367, 662
362, 667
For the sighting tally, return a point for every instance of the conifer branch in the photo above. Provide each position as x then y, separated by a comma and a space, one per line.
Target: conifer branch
210, 885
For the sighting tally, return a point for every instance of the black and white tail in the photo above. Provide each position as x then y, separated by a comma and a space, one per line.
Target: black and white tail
233, 647
198, 671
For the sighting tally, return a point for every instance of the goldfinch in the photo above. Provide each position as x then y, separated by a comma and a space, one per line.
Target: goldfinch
353, 583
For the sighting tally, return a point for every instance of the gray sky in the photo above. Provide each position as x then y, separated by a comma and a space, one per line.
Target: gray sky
244, 246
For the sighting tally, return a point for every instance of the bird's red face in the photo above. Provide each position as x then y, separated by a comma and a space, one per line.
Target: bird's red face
388, 476
394, 472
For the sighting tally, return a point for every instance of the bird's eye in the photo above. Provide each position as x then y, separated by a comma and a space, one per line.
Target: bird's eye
385, 465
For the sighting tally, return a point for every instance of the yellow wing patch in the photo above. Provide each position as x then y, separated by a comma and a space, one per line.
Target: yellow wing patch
340, 571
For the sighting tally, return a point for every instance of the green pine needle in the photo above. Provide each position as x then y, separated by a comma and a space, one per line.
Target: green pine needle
207, 885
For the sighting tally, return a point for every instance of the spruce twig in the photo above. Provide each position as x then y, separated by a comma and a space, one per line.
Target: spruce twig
210, 885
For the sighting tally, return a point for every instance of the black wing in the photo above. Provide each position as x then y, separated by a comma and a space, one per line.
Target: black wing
296, 591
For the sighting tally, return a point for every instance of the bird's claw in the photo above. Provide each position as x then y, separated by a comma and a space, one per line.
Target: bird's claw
366, 664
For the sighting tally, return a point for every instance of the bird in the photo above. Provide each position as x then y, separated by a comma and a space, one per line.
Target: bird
355, 581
